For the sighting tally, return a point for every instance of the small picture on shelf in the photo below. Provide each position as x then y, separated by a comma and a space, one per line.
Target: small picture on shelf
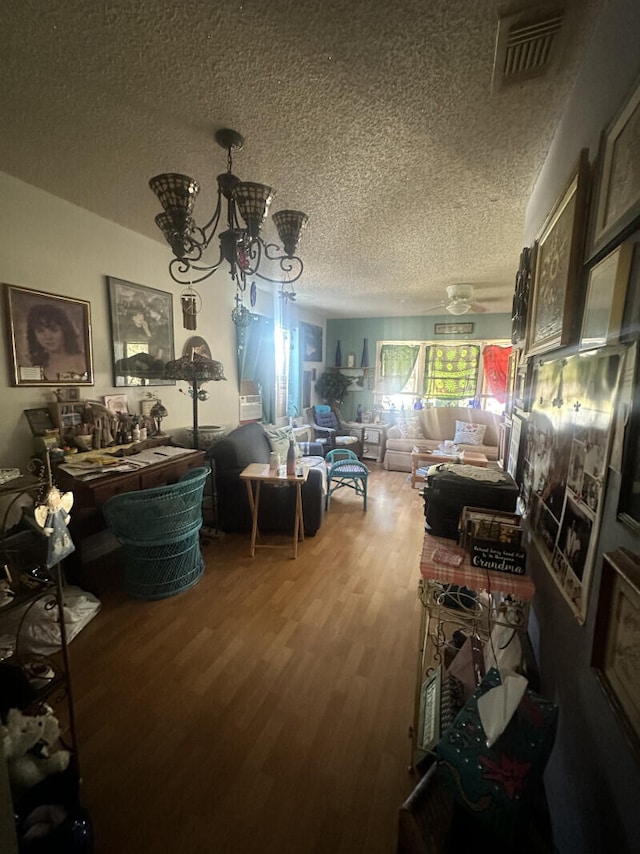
351, 360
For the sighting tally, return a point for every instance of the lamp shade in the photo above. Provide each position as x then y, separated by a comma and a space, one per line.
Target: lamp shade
290, 225
253, 202
177, 194
194, 368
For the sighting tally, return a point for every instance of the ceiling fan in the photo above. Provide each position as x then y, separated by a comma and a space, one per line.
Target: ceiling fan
459, 301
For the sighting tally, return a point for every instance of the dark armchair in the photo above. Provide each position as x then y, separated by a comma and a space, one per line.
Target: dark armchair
329, 429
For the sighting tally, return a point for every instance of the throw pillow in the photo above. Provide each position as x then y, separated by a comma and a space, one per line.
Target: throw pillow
468, 433
410, 429
279, 440
394, 432
322, 407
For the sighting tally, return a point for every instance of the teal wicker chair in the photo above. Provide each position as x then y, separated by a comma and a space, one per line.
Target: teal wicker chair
345, 469
159, 529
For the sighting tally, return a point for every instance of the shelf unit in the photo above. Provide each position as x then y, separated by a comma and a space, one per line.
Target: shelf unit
22, 551
458, 598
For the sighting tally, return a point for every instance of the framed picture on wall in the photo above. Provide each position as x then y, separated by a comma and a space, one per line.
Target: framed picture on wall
50, 338
604, 303
616, 640
558, 257
617, 204
141, 333
311, 342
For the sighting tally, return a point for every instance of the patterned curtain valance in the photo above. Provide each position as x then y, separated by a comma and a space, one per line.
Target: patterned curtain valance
451, 372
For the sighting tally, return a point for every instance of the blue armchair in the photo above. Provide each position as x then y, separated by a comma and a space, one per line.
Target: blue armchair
329, 429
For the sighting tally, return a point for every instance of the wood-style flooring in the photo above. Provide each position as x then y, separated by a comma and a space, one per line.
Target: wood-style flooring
267, 709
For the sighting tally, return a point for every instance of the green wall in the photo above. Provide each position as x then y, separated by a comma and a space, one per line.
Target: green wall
352, 332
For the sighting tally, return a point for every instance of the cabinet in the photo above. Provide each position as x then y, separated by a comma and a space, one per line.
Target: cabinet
374, 442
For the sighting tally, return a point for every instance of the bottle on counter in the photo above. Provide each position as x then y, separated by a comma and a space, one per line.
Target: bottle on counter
291, 458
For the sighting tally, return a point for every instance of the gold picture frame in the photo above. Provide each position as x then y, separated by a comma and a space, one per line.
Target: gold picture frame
555, 310
50, 338
617, 204
605, 298
616, 641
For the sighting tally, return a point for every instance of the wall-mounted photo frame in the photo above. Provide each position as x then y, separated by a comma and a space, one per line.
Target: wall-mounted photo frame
521, 292
617, 204
141, 333
512, 370
524, 386
73, 394
311, 342
50, 338
616, 640
453, 328
555, 314
605, 299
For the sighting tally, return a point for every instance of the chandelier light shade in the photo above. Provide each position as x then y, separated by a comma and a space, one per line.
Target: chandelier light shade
241, 210
253, 202
290, 225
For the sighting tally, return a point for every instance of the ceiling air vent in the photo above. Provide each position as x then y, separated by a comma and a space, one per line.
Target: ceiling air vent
526, 47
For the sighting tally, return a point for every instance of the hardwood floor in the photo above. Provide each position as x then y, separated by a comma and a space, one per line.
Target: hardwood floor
267, 709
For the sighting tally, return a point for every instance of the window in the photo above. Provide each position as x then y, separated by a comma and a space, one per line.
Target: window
435, 373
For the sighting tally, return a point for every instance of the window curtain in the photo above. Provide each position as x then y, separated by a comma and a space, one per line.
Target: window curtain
256, 361
397, 362
496, 370
294, 388
451, 372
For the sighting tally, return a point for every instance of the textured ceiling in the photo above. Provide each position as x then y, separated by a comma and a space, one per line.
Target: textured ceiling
377, 119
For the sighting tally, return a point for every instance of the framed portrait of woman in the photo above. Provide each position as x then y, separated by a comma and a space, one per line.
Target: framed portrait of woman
50, 339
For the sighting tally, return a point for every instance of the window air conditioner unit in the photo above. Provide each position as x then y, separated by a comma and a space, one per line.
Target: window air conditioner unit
250, 407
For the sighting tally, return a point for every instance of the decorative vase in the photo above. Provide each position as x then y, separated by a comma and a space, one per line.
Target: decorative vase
364, 362
338, 355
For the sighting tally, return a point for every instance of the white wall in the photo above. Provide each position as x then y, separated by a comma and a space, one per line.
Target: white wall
50, 245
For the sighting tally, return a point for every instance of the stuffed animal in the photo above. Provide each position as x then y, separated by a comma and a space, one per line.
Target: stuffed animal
28, 742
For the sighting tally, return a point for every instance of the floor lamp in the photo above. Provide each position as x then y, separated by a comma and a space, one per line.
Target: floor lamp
196, 370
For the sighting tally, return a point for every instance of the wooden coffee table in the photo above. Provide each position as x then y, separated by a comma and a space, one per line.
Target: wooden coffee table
418, 458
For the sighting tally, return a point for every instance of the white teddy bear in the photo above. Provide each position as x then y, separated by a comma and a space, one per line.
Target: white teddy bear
28, 742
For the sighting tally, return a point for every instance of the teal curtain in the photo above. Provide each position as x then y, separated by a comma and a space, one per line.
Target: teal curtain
256, 361
451, 372
397, 361
294, 386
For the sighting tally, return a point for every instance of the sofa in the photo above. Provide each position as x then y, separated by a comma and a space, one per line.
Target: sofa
250, 443
426, 429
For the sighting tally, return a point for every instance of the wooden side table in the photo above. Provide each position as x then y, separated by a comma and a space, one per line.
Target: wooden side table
255, 475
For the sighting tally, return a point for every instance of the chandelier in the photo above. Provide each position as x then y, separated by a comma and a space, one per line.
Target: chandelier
241, 245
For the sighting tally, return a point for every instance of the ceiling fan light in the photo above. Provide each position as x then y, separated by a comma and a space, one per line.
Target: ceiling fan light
458, 307
253, 202
290, 225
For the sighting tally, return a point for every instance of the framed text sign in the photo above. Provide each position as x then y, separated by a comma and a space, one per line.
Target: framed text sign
453, 328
